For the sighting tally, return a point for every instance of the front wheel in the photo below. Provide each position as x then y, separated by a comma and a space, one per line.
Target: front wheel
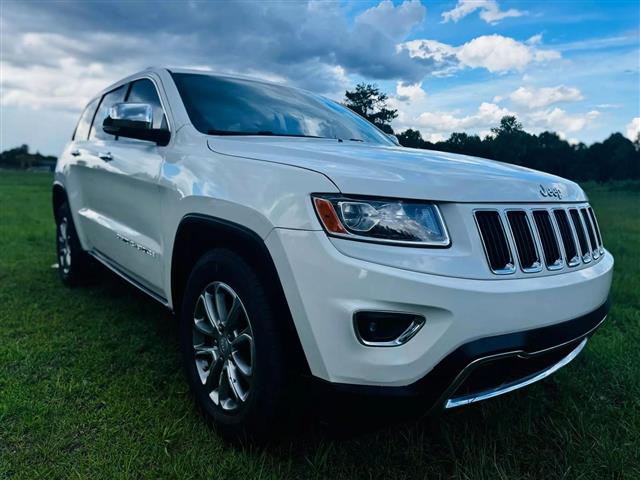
74, 264
231, 347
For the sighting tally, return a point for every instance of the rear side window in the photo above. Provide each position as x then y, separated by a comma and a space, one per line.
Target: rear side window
144, 91
108, 100
84, 124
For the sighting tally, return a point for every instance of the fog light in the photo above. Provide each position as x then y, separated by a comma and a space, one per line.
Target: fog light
386, 329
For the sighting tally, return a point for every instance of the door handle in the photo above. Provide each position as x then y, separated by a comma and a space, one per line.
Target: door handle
75, 153
106, 156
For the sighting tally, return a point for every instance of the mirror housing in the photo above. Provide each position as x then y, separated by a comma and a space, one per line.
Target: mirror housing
394, 139
134, 120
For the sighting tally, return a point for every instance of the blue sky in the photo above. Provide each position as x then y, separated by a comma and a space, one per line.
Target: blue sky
571, 67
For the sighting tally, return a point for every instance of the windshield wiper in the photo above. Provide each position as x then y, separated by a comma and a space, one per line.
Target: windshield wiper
260, 133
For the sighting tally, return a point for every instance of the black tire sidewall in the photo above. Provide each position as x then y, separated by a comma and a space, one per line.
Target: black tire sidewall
256, 417
79, 262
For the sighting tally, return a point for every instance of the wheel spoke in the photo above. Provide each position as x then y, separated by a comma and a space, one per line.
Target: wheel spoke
242, 354
224, 390
235, 315
234, 383
203, 327
211, 311
204, 351
220, 303
213, 378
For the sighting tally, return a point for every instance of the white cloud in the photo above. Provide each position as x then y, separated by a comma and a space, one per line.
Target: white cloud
542, 97
410, 93
559, 120
633, 129
396, 22
500, 54
534, 40
493, 52
488, 115
489, 11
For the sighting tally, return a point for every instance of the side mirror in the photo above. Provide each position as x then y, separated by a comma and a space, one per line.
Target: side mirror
134, 120
394, 139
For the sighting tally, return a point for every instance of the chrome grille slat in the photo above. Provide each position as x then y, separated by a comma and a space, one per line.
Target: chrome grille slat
494, 241
523, 239
595, 252
535, 238
548, 239
578, 227
597, 228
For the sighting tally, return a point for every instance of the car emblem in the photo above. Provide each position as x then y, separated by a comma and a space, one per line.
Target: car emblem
550, 192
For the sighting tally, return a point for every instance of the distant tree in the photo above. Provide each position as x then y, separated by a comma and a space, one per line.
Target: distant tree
411, 138
508, 125
510, 142
20, 158
369, 102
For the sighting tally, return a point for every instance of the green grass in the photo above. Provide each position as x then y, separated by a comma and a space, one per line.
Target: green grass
91, 384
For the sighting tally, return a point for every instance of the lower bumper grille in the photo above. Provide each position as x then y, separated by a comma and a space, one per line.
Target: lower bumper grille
508, 373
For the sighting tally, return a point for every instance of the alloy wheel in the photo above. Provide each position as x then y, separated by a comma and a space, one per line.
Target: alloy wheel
64, 246
223, 346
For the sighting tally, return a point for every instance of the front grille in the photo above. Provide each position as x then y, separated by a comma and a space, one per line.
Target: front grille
582, 237
523, 237
555, 238
550, 246
495, 242
597, 229
595, 252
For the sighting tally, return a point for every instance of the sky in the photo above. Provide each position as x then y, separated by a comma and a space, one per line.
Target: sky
567, 66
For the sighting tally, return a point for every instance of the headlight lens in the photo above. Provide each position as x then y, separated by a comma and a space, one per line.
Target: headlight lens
404, 222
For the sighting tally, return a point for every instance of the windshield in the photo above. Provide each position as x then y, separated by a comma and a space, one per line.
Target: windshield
229, 106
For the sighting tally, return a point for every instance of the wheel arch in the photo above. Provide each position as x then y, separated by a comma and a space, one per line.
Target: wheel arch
199, 233
58, 197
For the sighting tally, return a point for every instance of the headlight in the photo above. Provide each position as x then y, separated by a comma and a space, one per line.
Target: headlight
402, 222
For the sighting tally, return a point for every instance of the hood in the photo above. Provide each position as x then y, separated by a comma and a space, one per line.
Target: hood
362, 169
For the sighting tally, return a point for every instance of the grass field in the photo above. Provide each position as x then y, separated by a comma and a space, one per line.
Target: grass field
91, 385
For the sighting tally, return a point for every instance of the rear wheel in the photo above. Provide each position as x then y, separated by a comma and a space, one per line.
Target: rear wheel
74, 264
232, 347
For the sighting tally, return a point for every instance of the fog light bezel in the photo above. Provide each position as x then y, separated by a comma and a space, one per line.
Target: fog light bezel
416, 323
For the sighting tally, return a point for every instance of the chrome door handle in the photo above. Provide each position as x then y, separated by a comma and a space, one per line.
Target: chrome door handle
75, 153
106, 156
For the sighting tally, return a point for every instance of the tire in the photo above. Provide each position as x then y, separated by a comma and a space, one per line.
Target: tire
238, 375
75, 266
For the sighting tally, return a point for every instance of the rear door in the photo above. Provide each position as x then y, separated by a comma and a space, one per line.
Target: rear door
123, 204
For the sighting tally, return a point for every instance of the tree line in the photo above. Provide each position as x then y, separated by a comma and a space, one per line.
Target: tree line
616, 158
20, 158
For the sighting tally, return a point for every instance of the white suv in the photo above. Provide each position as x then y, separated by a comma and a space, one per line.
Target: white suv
293, 238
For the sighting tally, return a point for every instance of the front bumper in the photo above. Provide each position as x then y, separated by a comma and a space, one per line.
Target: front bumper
325, 287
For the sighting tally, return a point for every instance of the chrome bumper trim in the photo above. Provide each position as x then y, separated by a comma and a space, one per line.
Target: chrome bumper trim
477, 397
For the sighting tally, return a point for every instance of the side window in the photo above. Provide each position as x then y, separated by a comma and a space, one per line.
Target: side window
144, 91
114, 96
84, 124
